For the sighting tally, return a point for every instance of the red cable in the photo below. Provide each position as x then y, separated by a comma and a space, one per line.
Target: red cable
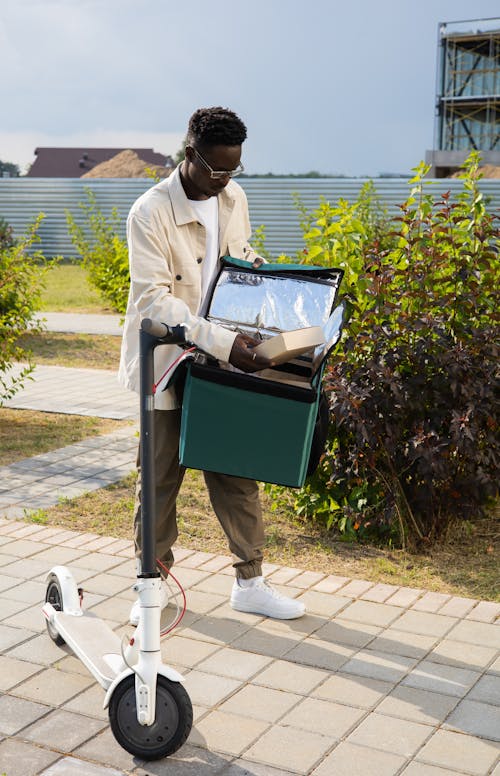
184, 602
189, 350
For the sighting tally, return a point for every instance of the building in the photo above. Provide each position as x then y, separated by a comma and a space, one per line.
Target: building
468, 95
75, 162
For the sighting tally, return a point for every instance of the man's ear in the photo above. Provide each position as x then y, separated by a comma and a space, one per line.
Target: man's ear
189, 153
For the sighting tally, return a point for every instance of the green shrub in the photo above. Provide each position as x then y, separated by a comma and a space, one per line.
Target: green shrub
104, 253
6, 234
22, 277
414, 439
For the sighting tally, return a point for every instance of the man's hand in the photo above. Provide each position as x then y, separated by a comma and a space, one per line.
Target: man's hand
258, 262
244, 357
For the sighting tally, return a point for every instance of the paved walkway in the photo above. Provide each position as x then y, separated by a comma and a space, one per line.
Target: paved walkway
74, 323
376, 680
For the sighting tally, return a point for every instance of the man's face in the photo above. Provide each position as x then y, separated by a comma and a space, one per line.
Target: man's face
218, 158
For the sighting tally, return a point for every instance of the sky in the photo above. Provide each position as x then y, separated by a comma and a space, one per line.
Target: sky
337, 86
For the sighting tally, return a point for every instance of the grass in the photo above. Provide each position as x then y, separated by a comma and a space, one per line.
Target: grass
24, 433
67, 290
77, 350
464, 563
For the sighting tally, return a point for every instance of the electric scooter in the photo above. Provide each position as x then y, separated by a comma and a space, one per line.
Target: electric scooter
149, 710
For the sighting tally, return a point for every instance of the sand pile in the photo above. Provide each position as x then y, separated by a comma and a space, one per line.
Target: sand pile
127, 164
487, 171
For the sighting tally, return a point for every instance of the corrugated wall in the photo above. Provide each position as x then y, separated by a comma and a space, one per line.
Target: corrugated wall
271, 202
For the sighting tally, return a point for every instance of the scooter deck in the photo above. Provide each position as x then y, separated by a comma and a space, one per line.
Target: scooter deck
92, 640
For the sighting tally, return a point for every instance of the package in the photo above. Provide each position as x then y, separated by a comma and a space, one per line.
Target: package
285, 346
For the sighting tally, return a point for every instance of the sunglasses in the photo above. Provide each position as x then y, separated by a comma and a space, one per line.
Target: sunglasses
218, 174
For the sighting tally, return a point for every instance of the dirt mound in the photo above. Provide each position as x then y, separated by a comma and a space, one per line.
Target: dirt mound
487, 171
127, 164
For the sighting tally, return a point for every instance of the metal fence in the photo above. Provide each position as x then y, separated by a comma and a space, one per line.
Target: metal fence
270, 200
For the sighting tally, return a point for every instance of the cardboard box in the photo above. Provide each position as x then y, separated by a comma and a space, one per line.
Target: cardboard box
285, 346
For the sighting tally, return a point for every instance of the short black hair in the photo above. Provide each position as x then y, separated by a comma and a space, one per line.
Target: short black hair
215, 126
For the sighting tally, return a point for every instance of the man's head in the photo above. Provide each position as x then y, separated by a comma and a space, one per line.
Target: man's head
213, 151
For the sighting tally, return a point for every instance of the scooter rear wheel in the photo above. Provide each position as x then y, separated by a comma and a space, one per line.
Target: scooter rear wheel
172, 725
55, 597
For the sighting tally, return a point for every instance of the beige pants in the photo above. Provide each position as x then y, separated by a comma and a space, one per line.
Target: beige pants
235, 501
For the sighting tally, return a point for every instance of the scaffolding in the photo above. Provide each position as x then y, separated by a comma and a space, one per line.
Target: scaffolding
467, 93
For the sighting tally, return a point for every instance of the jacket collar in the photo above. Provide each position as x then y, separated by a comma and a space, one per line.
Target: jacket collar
183, 212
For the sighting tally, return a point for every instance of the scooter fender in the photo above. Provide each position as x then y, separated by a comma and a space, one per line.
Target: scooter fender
69, 589
166, 671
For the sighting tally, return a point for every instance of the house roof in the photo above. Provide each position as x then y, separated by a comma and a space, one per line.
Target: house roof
75, 162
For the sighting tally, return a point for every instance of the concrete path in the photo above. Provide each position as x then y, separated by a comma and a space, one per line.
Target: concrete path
376, 680
74, 323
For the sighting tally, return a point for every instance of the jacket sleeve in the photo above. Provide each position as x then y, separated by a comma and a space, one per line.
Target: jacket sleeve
151, 290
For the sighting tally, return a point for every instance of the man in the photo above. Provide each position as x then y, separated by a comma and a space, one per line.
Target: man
176, 233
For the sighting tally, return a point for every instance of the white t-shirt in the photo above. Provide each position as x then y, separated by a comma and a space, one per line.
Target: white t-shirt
207, 212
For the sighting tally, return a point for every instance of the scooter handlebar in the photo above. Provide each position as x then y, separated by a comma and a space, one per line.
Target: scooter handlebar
173, 334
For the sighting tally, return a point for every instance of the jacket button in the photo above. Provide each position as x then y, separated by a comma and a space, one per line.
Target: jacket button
199, 261
178, 277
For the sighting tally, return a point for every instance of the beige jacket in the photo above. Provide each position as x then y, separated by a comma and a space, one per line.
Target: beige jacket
166, 251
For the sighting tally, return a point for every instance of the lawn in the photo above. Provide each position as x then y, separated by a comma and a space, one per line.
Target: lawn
91, 351
67, 290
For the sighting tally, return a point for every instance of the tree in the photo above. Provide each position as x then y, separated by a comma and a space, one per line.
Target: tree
10, 168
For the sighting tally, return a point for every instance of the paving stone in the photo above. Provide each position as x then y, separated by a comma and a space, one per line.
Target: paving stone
246, 768
234, 663
485, 611
229, 733
403, 643
97, 561
331, 584
349, 760
459, 752
23, 548
399, 737
215, 583
260, 703
445, 679
17, 713
370, 613
14, 671
323, 603
109, 584
479, 719
29, 592
207, 689
21, 759
283, 748
216, 563
298, 679
361, 692
186, 652
10, 637
429, 708
190, 577
196, 559
356, 588
470, 656
425, 623
189, 761
458, 607
38, 648
486, 690
69, 766
9, 608
48, 731
263, 643
20, 568
483, 634
352, 634
329, 719
307, 579
284, 575
380, 593
88, 702
320, 654
424, 769
104, 749
431, 602
214, 629
7, 583
49, 687
378, 665
30, 617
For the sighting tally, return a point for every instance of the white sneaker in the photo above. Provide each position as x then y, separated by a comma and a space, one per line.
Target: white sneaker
262, 598
136, 606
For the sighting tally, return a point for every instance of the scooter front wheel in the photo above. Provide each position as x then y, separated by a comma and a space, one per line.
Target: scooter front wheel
54, 596
172, 725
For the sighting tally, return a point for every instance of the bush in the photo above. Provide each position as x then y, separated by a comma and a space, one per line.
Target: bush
21, 284
104, 253
6, 234
413, 442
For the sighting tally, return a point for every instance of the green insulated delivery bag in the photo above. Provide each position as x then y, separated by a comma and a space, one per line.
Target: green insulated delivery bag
261, 425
